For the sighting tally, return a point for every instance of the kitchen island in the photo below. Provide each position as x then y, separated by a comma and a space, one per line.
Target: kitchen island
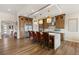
57, 39
57, 34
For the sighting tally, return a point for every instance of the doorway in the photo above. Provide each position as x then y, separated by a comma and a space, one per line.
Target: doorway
4, 30
7, 29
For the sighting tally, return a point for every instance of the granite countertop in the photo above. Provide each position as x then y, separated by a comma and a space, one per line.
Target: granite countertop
57, 31
53, 31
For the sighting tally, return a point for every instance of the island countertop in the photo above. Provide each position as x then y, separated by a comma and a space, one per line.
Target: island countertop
57, 39
56, 31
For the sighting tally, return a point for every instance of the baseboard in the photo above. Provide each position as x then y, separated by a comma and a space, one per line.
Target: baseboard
73, 40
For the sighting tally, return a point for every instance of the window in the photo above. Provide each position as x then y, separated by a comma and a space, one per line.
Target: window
73, 25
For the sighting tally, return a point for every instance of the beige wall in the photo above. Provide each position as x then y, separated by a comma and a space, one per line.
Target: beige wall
71, 36
6, 17
35, 25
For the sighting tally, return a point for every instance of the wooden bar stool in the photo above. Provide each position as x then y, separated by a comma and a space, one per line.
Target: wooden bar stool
30, 35
45, 39
41, 39
34, 36
51, 41
38, 37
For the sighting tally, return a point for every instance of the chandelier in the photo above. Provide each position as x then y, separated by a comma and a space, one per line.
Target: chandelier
40, 21
49, 19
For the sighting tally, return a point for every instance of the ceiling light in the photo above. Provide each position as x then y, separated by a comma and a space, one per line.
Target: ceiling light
9, 9
36, 13
49, 19
32, 10
40, 21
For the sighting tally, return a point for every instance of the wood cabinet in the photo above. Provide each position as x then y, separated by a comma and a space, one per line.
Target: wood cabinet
60, 24
60, 21
41, 27
45, 24
22, 22
30, 21
62, 36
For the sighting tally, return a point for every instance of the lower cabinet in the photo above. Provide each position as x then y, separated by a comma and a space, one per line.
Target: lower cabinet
56, 40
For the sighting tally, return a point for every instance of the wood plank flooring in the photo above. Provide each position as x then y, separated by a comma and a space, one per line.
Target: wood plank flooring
26, 47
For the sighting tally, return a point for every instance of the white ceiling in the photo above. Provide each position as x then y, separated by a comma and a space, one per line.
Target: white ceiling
27, 9
69, 8
14, 8
58, 9
44, 13
30, 8
22, 9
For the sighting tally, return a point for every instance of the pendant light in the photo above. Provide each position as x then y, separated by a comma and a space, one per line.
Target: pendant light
35, 21
40, 21
49, 19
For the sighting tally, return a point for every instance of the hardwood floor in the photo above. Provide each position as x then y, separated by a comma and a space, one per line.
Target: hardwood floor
26, 47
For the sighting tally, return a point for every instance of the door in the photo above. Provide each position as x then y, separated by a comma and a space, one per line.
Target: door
4, 30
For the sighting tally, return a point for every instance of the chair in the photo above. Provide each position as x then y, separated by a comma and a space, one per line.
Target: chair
34, 36
30, 35
38, 37
51, 41
42, 39
45, 39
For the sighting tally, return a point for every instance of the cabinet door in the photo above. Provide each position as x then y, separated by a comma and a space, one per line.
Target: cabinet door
21, 26
57, 41
45, 23
73, 25
60, 21
22, 22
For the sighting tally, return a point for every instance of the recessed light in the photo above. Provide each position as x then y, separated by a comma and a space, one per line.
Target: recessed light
9, 9
36, 12
32, 10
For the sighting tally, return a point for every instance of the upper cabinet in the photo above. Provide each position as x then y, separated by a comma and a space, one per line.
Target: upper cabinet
41, 25
60, 21
22, 22
46, 25
30, 21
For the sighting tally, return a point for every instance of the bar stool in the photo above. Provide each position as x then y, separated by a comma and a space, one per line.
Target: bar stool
39, 37
30, 35
45, 39
34, 36
51, 41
